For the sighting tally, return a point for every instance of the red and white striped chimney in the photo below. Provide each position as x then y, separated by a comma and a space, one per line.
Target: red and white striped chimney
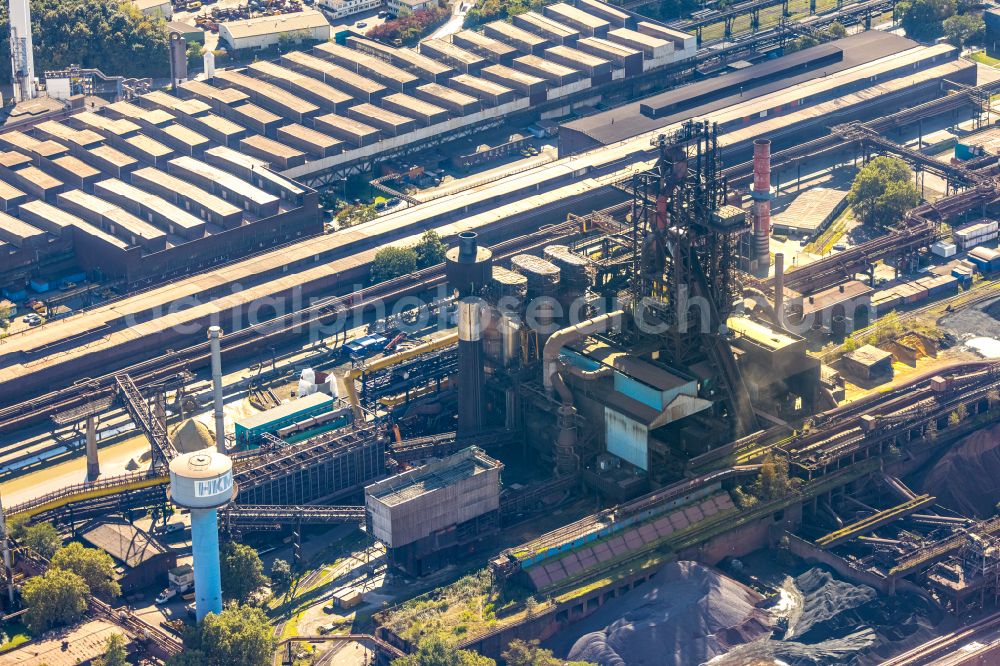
761, 195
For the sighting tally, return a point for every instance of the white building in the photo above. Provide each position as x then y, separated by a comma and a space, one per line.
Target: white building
266, 31
155, 8
397, 6
341, 8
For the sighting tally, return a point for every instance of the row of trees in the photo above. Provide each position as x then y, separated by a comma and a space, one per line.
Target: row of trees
435, 652
409, 28
60, 596
114, 37
929, 19
392, 261
835, 30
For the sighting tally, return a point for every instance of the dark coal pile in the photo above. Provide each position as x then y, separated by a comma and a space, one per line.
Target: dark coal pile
964, 479
842, 623
825, 602
687, 615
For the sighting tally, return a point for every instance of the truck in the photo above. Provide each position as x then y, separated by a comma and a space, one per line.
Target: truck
180, 582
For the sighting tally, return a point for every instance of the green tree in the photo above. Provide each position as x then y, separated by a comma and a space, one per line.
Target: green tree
53, 599
95, 567
115, 652
923, 19
773, 481
836, 30
435, 652
241, 570
239, 636
430, 250
195, 51
392, 262
523, 653
281, 573
114, 37
962, 29
41, 538
883, 191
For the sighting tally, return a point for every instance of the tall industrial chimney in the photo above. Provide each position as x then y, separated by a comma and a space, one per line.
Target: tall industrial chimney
761, 195
202, 481
22, 52
468, 268
214, 336
779, 287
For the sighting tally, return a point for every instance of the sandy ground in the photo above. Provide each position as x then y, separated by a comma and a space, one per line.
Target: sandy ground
113, 460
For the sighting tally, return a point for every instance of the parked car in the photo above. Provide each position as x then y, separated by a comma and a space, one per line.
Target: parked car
32, 319
360, 24
325, 629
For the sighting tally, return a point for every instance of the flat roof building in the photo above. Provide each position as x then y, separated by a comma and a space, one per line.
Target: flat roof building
264, 32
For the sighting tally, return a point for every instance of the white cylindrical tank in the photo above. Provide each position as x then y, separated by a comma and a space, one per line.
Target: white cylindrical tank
201, 480
209, 60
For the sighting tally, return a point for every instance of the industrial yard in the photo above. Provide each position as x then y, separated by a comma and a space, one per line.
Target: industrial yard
576, 332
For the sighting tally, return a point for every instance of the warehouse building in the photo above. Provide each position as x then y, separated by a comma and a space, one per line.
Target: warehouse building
868, 363
426, 515
265, 32
142, 560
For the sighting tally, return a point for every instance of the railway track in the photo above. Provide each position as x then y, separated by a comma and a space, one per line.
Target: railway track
242, 343
945, 645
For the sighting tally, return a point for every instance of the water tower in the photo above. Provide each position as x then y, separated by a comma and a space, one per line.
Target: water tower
202, 481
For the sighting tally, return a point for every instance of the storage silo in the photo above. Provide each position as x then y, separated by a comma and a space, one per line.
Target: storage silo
202, 482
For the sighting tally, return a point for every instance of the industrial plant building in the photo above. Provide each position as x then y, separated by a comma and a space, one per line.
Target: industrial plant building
429, 514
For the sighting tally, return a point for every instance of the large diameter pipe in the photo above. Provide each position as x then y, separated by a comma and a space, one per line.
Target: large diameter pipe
779, 287
215, 336
562, 337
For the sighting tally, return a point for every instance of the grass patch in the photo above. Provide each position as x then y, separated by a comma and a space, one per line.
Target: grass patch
14, 635
985, 58
465, 608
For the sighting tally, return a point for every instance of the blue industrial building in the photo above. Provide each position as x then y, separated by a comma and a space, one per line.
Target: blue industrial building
250, 429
